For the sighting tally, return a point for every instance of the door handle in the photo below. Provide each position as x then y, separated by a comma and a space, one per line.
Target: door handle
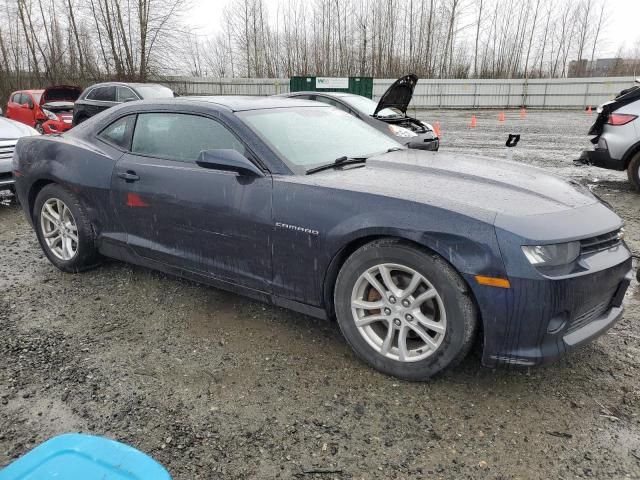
129, 176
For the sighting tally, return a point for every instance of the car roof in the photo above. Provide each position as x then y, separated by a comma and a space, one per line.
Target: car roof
125, 84
244, 103
30, 91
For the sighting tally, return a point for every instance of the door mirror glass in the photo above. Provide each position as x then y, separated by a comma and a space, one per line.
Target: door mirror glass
228, 160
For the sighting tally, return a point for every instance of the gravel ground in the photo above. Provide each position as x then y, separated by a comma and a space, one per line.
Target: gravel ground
216, 386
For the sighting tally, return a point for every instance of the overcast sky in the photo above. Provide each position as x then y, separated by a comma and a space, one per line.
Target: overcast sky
623, 27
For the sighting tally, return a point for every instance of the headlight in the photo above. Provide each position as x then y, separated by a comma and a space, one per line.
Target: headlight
428, 126
401, 131
552, 255
50, 115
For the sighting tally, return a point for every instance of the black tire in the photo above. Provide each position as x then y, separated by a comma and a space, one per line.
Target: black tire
633, 172
461, 313
86, 255
39, 128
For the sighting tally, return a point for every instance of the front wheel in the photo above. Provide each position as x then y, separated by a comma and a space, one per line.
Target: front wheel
404, 311
64, 230
633, 171
39, 128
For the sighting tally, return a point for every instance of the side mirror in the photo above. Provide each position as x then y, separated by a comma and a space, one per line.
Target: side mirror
228, 160
26, 105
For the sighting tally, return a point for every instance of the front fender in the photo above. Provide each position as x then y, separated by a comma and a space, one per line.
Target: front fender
335, 222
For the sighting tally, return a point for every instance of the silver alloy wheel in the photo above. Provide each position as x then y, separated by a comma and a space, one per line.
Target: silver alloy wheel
59, 229
398, 312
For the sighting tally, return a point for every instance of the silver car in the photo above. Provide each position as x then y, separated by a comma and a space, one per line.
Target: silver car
617, 135
10, 132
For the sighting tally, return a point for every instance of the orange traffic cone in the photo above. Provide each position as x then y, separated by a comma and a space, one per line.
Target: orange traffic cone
589, 112
474, 122
436, 127
501, 117
523, 113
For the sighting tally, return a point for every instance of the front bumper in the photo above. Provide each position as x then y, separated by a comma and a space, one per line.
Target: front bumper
601, 158
424, 142
539, 320
56, 126
7, 181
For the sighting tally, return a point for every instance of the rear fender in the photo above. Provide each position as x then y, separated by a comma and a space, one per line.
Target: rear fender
85, 172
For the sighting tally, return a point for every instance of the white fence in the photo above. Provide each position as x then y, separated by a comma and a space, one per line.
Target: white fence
226, 86
563, 93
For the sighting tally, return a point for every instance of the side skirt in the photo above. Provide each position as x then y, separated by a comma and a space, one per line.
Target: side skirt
122, 252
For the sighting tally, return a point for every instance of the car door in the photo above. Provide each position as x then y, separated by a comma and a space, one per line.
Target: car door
13, 105
216, 223
100, 99
21, 108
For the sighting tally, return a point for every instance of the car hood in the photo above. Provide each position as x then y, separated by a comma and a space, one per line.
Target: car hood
60, 93
58, 106
481, 187
10, 129
398, 95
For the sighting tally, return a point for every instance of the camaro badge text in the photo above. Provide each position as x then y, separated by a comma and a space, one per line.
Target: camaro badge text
296, 228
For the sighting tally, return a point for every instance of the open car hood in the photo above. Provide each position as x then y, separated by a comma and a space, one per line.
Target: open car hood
60, 93
398, 95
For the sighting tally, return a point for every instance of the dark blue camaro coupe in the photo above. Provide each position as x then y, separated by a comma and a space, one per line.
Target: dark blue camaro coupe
301, 205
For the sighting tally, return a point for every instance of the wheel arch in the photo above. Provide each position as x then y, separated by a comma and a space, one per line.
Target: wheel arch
354, 244
630, 153
35, 189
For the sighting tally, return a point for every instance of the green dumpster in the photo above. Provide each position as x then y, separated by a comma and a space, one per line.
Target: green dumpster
358, 85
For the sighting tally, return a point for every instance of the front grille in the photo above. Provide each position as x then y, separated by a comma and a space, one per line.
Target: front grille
591, 313
6, 149
600, 242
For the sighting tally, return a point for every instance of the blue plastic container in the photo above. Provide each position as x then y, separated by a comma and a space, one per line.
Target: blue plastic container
84, 457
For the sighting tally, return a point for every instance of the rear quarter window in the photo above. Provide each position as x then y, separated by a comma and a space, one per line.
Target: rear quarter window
119, 132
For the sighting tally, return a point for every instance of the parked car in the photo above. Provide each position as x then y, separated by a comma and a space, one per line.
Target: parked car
10, 132
389, 115
48, 111
302, 205
617, 135
102, 96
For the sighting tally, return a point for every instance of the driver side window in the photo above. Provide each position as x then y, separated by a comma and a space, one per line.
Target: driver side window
178, 136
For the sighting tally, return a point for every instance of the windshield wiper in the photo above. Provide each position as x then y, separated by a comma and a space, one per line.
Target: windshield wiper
337, 162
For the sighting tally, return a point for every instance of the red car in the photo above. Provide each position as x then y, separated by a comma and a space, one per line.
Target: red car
48, 111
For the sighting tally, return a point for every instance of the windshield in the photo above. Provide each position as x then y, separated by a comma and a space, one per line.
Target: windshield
154, 91
368, 106
307, 137
37, 96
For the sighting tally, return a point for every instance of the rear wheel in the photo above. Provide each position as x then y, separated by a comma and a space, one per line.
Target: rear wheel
404, 311
633, 171
64, 230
